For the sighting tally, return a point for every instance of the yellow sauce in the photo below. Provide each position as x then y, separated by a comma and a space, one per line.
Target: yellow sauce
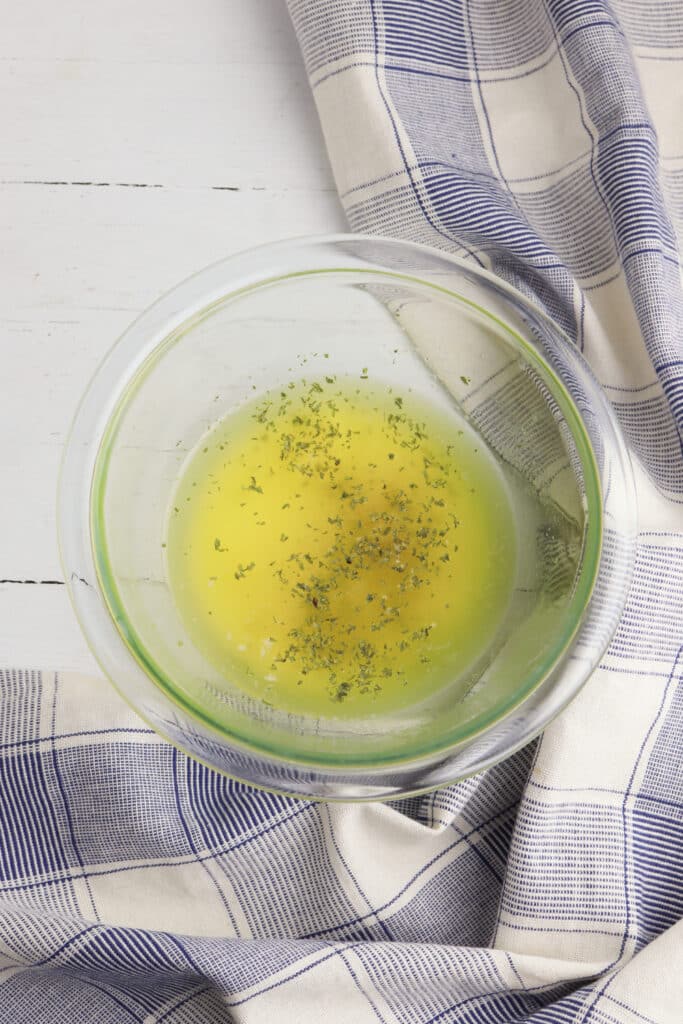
337, 548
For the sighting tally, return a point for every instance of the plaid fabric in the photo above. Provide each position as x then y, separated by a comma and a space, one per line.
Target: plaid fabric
544, 141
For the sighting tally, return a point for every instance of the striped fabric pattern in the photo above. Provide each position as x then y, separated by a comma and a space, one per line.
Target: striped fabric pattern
543, 141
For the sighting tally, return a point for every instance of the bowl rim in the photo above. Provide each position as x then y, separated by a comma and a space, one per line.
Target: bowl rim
122, 395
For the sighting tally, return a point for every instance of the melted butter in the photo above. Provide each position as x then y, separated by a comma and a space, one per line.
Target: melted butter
337, 549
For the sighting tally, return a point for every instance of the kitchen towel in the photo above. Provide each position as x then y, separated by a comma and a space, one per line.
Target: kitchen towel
543, 141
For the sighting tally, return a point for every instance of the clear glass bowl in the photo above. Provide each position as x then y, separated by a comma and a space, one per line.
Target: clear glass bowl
418, 320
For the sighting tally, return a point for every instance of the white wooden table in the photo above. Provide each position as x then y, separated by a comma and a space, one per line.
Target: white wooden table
140, 141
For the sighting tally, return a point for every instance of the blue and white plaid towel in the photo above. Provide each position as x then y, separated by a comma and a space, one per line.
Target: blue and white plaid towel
544, 141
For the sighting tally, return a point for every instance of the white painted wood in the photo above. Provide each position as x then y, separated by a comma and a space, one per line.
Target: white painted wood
165, 93
39, 630
197, 94
202, 32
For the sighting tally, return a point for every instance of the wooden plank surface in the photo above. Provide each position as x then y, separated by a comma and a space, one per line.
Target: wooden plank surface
140, 142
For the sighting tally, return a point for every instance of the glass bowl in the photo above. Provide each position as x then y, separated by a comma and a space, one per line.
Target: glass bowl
414, 321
